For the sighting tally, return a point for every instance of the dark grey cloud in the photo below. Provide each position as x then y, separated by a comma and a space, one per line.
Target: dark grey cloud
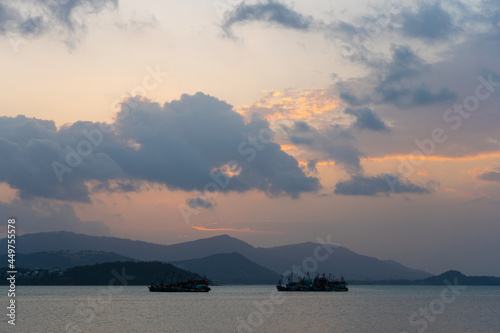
178, 145
401, 83
199, 202
381, 184
424, 113
301, 136
311, 166
44, 215
367, 119
36, 18
354, 37
277, 174
430, 22
118, 186
405, 63
403, 79
298, 140
423, 96
491, 12
271, 11
406, 97
491, 176
27, 152
302, 126
395, 75
352, 99
335, 142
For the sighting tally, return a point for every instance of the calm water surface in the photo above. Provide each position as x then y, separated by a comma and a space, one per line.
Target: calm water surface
254, 309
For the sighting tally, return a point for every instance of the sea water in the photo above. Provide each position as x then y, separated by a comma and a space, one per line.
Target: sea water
255, 309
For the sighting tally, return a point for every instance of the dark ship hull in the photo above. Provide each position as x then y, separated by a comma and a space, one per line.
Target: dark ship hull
182, 287
169, 289
318, 284
309, 288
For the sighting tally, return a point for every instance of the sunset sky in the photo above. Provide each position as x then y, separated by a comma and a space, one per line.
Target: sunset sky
375, 122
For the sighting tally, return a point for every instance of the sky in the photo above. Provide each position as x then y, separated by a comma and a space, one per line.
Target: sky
276, 122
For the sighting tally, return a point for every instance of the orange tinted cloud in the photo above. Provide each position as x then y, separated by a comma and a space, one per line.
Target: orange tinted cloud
314, 106
434, 158
289, 147
407, 157
249, 230
324, 163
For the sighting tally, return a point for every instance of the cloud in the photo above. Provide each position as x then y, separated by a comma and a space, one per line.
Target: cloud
405, 64
422, 96
314, 123
398, 76
311, 166
297, 140
116, 186
333, 142
134, 23
36, 18
184, 144
43, 215
200, 202
381, 184
429, 80
352, 99
491, 176
27, 152
300, 127
403, 79
367, 119
431, 23
271, 11
400, 81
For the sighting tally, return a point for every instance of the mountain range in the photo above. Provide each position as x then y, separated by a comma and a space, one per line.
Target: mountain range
204, 257
105, 274
229, 268
64, 259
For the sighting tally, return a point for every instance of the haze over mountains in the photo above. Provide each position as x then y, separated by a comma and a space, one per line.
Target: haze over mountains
276, 260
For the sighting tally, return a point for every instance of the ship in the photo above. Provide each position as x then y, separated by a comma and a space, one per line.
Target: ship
305, 283
183, 286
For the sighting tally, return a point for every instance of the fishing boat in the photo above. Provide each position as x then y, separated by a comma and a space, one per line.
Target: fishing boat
305, 283
183, 286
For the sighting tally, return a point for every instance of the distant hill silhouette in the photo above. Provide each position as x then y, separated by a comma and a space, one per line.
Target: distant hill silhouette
116, 273
462, 279
229, 268
64, 259
449, 277
341, 261
69, 241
